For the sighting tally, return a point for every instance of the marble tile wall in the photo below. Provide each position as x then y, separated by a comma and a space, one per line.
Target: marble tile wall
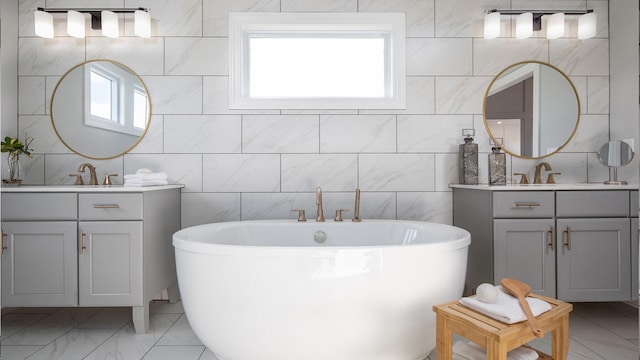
257, 164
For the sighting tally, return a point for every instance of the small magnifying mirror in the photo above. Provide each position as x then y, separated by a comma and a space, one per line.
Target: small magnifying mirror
614, 154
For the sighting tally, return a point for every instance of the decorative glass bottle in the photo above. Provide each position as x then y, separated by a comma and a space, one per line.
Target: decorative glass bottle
468, 159
497, 165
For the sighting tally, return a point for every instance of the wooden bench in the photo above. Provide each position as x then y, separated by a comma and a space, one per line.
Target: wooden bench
497, 337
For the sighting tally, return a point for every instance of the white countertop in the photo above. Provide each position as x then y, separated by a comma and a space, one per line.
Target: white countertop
537, 187
86, 188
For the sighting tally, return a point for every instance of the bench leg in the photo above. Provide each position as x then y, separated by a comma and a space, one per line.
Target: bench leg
560, 339
496, 351
444, 341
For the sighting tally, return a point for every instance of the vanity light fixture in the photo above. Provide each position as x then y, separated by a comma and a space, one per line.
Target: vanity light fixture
75, 24
43, 24
528, 21
105, 20
524, 25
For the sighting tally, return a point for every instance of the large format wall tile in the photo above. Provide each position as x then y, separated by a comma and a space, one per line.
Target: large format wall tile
280, 133
257, 164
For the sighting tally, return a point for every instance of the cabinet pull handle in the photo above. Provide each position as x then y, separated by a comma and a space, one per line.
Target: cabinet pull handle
106, 206
527, 204
81, 246
2, 247
568, 243
553, 238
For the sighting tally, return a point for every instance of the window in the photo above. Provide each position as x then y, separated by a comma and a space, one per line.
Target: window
316, 61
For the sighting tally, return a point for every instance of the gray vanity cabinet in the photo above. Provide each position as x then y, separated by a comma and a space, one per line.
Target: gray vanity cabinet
574, 245
89, 246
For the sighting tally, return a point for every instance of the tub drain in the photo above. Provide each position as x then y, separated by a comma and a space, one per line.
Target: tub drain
320, 237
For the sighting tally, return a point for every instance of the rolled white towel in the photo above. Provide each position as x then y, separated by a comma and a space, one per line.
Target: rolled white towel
138, 183
507, 309
470, 351
144, 171
151, 176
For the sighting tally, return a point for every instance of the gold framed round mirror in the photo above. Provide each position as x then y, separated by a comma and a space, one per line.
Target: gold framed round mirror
533, 108
100, 109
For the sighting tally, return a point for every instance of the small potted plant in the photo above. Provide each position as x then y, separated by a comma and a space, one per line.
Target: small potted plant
15, 148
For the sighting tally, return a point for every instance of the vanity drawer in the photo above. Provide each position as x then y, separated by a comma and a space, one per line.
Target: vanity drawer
633, 199
592, 203
39, 206
110, 206
523, 204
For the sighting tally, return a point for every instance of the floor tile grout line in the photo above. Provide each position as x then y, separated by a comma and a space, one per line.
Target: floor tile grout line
160, 337
107, 339
72, 327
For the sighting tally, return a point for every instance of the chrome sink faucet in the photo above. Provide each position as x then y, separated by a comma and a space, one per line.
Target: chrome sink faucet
536, 178
320, 217
93, 179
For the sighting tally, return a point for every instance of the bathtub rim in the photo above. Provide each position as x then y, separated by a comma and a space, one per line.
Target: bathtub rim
180, 244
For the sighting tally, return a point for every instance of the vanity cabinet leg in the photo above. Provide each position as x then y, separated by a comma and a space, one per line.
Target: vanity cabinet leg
173, 293
141, 318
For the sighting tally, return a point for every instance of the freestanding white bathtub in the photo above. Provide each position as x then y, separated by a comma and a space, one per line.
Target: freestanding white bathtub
266, 290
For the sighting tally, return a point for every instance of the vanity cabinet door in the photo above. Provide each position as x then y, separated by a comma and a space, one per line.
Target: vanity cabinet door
39, 264
525, 250
594, 259
110, 263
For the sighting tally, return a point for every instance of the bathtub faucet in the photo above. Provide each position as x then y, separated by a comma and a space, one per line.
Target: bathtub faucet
320, 217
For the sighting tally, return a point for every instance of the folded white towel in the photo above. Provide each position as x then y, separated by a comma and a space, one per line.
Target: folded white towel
151, 176
137, 183
143, 171
507, 309
471, 351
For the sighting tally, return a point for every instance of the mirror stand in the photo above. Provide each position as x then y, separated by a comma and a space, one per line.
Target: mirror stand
613, 177
614, 154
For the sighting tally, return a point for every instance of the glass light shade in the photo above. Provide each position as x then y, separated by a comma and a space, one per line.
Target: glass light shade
43, 24
524, 25
492, 25
75, 24
587, 26
555, 26
110, 26
142, 27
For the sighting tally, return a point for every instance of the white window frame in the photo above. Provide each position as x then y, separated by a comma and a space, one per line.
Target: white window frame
243, 26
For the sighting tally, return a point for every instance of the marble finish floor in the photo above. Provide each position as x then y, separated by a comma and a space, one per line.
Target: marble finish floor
597, 331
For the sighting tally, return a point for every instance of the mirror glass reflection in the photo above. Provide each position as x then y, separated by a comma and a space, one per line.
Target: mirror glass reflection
615, 153
100, 109
533, 107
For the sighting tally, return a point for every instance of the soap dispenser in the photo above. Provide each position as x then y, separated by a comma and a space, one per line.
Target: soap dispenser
497, 164
468, 159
